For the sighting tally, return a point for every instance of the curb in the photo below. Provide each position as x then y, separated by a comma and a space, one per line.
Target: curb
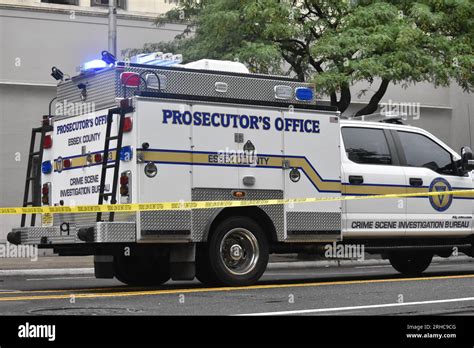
274, 266
348, 263
46, 271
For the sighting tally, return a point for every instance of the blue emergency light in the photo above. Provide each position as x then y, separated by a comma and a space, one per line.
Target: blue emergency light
46, 167
94, 65
304, 93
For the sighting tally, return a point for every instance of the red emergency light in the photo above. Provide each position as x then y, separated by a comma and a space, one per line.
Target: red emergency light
67, 163
127, 124
130, 79
48, 142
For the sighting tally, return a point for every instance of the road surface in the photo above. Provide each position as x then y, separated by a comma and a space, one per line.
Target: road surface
446, 288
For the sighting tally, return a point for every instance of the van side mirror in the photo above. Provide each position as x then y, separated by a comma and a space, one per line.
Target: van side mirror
467, 161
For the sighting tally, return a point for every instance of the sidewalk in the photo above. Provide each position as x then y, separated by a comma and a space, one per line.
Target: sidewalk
69, 265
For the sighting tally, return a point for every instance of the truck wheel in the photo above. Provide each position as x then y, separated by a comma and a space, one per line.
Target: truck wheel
410, 265
238, 252
142, 269
203, 266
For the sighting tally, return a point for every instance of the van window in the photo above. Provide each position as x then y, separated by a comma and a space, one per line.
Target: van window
366, 145
421, 151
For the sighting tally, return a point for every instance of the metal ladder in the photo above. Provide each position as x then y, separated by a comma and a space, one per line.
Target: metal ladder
121, 111
33, 175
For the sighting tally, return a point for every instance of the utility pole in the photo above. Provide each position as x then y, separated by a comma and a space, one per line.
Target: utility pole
113, 27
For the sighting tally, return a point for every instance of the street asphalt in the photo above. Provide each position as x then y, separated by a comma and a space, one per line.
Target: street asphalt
369, 288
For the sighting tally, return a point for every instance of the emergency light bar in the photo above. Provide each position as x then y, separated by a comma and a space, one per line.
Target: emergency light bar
96, 64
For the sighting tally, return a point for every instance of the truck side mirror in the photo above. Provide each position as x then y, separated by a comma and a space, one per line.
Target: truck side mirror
467, 161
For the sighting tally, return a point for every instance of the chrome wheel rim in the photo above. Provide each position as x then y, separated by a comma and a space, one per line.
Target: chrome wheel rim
239, 251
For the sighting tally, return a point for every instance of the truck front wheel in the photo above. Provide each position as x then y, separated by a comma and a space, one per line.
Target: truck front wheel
238, 252
411, 264
143, 269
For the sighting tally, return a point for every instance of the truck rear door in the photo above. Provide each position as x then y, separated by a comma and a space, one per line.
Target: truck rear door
313, 169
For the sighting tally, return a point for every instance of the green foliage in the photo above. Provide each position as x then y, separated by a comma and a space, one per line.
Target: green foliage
333, 43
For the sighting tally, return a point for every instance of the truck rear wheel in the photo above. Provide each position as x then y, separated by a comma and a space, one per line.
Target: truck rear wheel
238, 252
145, 269
411, 264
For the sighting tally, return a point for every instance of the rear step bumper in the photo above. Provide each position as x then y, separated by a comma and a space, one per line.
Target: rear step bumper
101, 232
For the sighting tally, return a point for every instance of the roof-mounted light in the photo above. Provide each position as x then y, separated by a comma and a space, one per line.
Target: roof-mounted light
94, 65
130, 79
304, 93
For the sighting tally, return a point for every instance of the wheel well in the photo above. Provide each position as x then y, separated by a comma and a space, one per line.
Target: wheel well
255, 213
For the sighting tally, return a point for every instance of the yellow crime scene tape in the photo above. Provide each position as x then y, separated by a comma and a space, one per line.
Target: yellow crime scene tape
136, 207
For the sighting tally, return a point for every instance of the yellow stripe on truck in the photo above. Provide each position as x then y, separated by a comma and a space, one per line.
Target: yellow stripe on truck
273, 161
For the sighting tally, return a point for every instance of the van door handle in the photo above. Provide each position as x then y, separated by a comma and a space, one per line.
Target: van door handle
356, 179
416, 181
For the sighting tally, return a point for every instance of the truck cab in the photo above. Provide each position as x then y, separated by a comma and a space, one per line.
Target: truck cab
379, 158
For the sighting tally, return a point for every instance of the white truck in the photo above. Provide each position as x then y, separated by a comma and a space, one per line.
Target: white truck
136, 133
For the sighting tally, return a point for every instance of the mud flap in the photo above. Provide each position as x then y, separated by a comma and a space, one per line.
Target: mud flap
182, 265
104, 266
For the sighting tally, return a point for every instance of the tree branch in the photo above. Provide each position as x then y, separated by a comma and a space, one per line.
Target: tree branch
293, 61
345, 99
374, 101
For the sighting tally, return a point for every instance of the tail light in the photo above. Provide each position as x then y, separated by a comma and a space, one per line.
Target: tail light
127, 124
48, 142
125, 189
46, 194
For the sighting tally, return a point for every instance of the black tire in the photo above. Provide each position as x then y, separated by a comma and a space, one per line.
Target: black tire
238, 252
203, 266
411, 264
143, 269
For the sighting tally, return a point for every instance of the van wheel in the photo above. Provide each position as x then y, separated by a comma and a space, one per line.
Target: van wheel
238, 252
142, 270
411, 265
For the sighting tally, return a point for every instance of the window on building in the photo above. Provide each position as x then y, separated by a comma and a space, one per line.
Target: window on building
120, 3
62, 2
421, 151
366, 145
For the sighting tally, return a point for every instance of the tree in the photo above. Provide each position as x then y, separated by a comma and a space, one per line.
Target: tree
334, 43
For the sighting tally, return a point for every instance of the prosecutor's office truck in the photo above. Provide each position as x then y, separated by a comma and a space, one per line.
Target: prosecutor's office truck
159, 131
